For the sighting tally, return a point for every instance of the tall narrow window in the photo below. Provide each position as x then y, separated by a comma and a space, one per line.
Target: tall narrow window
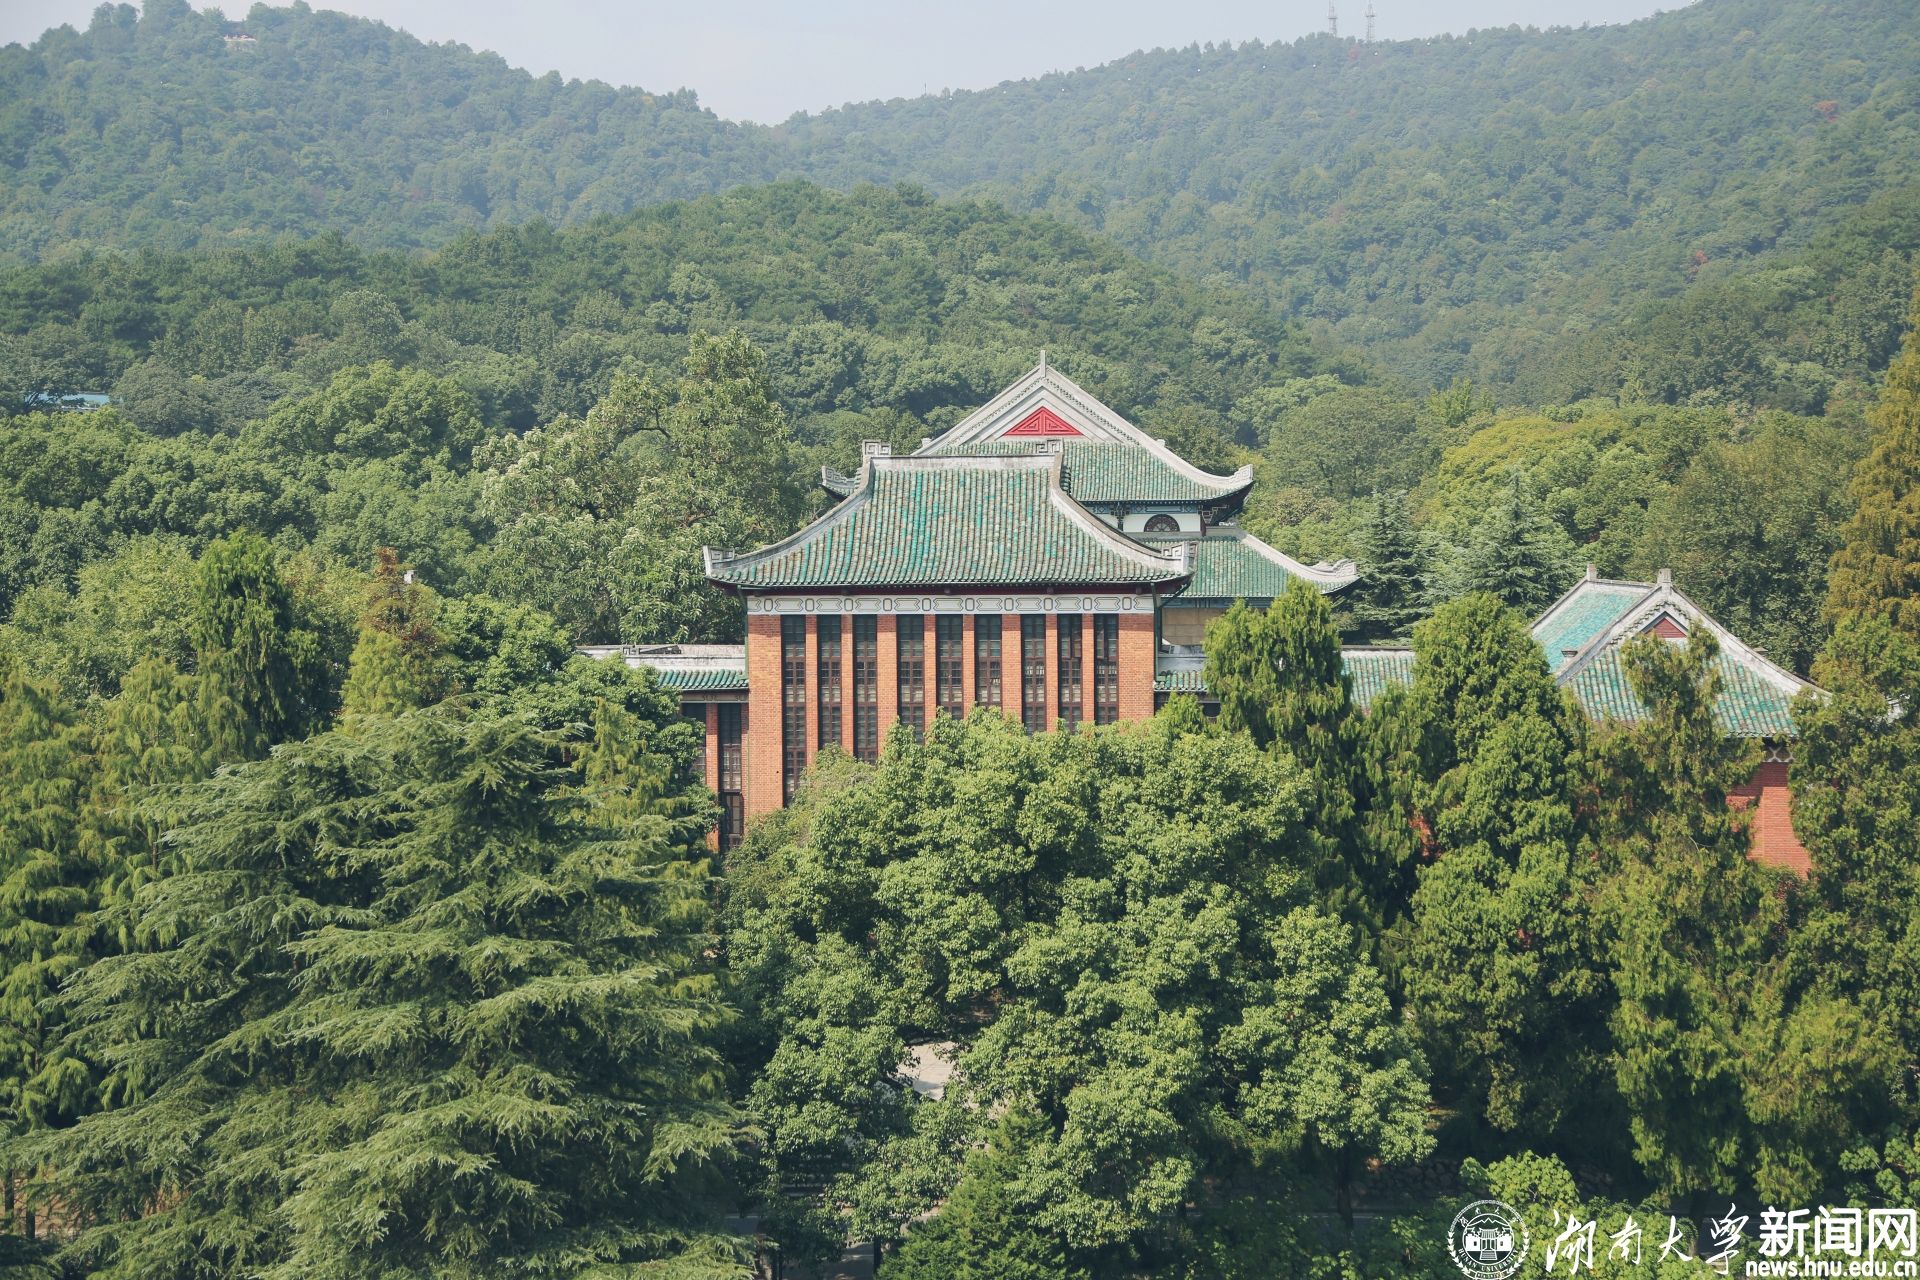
733, 801
948, 665
1071, 680
913, 673
827, 635
986, 660
1106, 668
1033, 671
866, 687
793, 703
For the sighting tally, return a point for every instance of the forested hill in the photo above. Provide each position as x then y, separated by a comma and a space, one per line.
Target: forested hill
1476, 205
151, 128
1454, 205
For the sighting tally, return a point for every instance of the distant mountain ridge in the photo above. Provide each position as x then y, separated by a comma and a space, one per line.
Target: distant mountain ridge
1460, 206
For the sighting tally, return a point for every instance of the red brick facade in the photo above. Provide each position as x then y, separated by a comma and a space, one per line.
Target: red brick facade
1774, 841
766, 745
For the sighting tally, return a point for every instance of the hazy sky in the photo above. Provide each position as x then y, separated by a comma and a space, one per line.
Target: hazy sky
763, 60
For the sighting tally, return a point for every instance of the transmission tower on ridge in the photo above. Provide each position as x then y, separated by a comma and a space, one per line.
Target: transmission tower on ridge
1369, 23
1333, 19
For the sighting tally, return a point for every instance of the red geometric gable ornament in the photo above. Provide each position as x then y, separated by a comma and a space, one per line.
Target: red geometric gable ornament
1666, 628
1042, 422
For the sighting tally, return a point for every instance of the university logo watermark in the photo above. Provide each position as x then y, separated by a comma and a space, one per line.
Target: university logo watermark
1488, 1240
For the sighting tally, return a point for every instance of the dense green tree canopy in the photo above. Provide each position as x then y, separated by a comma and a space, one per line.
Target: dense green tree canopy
1115, 930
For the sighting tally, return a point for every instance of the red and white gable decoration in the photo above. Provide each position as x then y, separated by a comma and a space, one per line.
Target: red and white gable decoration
1042, 422
1666, 627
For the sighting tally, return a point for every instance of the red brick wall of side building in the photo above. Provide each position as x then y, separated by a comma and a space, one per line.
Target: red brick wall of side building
710, 772
1774, 842
762, 745
1136, 665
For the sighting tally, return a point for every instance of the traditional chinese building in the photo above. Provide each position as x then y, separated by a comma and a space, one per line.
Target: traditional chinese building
1048, 558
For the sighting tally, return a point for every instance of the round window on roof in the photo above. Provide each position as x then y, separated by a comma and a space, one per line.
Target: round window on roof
1162, 523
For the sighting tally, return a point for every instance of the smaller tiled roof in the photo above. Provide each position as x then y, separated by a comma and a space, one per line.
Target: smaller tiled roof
840, 486
1102, 473
1231, 564
953, 521
1749, 706
1374, 671
683, 668
1190, 680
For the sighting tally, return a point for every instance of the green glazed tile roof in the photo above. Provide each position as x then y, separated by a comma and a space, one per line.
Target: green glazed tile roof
1750, 705
1374, 671
1191, 681
1231, 564
1104, 472
684, 668
1579, 618
953, 521
700, 679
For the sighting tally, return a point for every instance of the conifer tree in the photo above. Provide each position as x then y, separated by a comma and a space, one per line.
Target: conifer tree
1278, 675
1876, 571
426, 998
1498, 969
1514, 552
397, 661
1729, 1076
1686, 916
1395, 571
47, 884
250, 640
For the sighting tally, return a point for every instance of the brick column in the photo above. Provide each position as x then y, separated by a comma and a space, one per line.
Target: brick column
710, 770
1012, 660
968, 685
1053, 669
887, 646
1089, 696
761, 747
930, 667
846, 682
1136, 665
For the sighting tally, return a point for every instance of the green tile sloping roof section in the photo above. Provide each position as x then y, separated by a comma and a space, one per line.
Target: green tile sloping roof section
700, 679
953, 521
1374, 671
1581, 616
683, 668
1109, 472
1184, 681
1750, 705
1756, 696
1231, 564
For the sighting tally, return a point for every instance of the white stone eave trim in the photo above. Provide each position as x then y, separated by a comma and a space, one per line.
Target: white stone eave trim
1330, 575
902, 600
